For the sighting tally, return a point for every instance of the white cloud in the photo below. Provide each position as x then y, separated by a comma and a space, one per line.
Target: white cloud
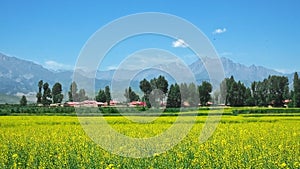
112, 67
50, 64
285, 71
219, 31
179, 43
225, 54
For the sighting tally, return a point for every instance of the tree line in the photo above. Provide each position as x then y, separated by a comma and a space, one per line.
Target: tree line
273, 90
177, 95
47, 96
104, 95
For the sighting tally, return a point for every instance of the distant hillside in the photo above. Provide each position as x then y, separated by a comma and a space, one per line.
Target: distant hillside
21, 76
9, 99
239, 71
18, 75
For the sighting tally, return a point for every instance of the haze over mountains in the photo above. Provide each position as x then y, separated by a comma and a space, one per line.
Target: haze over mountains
19, 76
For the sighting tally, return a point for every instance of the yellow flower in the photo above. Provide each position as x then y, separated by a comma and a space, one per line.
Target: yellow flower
110, 166
223, 142
156, 154
283, 165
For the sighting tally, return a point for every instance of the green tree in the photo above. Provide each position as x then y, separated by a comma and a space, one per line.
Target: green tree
73, 95
204, 92
226, 90
145, 86
154, 95
234, 93
82, 95
193, 95
255, 96
174, 97
242, 89
231, 90
23, 101
216, 97
134, 96
159, 89
238, 94
223, 92
162, 85
107, 95
57, 95
46, 98
127, 94
286, 93
276, 90
249, 101
296, 91
130, 95
262, 93
39, 94
101, 96
184, 92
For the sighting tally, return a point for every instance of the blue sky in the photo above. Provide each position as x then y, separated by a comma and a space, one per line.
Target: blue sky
52, 33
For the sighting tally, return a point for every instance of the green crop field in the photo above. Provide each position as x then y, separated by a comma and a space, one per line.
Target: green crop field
238, 142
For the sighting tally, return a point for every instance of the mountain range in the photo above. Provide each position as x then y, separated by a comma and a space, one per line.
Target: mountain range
18, 77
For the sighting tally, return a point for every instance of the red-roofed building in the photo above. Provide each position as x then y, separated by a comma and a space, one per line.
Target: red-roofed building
137, 103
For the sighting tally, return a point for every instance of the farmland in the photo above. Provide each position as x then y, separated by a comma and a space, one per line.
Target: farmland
238, 142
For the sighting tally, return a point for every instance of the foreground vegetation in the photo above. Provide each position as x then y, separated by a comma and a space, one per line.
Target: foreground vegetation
238, 142
17, 110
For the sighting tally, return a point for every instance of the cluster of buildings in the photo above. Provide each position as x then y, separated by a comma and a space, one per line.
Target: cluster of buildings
89, 103
93, 103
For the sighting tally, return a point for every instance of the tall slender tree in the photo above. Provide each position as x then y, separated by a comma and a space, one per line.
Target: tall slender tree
46, 98
82, 95
101, 96
162, 85
184, 92
73, 95
57, 95
235, 93
193, 95
39, 94
127, 94
277, 87
130, 95
296, 92
174, 97
159, 89
227, 90
23, 101
204, 92
249, 101
107, 95
223, 92
145, 86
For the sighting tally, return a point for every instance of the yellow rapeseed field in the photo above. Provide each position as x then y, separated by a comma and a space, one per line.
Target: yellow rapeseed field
238, 142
